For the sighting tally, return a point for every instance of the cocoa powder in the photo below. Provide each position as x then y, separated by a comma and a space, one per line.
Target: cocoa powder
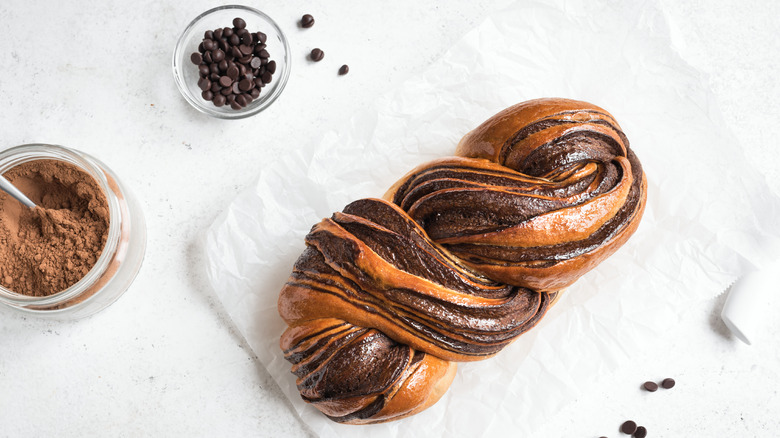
49, 248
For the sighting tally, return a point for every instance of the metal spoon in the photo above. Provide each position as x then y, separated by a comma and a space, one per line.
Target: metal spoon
9, 188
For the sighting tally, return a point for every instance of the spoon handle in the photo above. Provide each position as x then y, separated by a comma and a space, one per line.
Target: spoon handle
9, 188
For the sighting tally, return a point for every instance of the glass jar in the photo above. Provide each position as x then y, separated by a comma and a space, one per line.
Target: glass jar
121, 257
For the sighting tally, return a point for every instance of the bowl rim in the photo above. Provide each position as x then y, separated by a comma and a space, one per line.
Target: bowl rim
202, 105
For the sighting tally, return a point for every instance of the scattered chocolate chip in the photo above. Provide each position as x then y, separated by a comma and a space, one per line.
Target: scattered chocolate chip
271, 67
307, 21
650, 386
344, 69
628, 427
668, 383
196, 58
317, 55
641, 432
239, 23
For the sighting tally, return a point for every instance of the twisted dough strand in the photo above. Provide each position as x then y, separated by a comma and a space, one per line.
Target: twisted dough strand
461, 256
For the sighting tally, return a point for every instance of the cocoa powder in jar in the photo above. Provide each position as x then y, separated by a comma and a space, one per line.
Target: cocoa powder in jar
47, 249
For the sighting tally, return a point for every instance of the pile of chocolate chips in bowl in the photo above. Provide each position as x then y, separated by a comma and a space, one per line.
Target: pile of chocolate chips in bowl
233, 64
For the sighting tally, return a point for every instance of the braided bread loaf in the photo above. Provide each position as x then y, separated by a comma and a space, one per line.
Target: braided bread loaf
461, 256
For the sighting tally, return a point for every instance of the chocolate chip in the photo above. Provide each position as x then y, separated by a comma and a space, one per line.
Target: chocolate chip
235, 105
196, 58
266, 77
209, 45
255, 93
344, 69
255, 62
239, 23
247, 38
204, 70
223, 45
261, 37
213, 68
307, 21
317, 55
650, 386
264, 54
628, 427
641, 432
271, 67
227, 32
234, 40
241, 100
217, 55
208, 35
223, 65
219, 100
246, 84
668, 383
232, 72
207, 94
225, 81
207, 58
204, 84
218, 33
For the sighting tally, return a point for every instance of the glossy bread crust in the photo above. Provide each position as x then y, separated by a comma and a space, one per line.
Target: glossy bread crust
460, 257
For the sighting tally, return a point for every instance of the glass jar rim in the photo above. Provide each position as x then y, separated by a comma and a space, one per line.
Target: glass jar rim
14, 156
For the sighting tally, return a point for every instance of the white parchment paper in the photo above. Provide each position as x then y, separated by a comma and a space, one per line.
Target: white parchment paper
707, 219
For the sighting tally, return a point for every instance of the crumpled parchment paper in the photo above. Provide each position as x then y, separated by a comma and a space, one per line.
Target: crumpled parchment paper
708, 217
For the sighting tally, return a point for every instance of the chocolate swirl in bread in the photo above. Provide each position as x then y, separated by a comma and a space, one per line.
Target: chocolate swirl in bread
462, 256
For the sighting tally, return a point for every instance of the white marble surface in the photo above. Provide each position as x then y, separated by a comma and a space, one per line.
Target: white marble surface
164, 360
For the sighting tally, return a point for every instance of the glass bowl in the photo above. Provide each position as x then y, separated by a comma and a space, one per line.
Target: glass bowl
186, 73
120, 259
